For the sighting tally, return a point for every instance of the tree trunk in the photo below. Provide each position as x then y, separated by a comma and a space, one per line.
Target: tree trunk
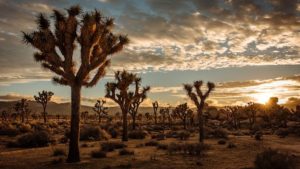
184, 122
44, 113
155, 118
125, 126
201, 123
74, 154
133, 122
99, 118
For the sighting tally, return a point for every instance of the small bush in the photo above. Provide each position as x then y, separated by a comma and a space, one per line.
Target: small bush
8, 130
231, 145
111, 146
151, 143
124, 152
30, 140
113, 132
138, 134
183, 135
222, 142
273, 159
187, 148
98, 154
25, 128
57, 161
220, 133
84, 145
282, 132
162, 146
93, 133
59, 152
258, 135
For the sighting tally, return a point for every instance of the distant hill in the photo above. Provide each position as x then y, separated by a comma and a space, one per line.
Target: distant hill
62, 108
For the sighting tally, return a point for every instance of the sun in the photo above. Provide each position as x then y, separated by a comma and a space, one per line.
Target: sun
262, 97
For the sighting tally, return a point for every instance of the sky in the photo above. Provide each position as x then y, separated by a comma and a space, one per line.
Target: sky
249, 49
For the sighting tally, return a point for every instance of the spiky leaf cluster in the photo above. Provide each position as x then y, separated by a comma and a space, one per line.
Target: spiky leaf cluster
94, 36
43, 97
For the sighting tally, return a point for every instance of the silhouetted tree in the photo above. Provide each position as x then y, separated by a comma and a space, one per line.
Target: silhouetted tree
119, 92
84, 115
155, 107
100, 109
21, 107
43, 98
97, 43
251, 110
233, 115
181, 111
198, 97
141, 96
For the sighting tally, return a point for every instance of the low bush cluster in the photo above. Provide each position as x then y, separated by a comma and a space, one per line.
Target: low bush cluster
124, 152
137, 134
111, 146
30, 140
187, 148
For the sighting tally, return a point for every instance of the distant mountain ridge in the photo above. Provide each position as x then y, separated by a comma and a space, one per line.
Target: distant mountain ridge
62, 108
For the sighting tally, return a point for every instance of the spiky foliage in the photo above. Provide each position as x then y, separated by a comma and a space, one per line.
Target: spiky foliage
141, 95
165, 114
93, 32
100, 109
43, 98
199, 98
119, 92
22, 108
155, 107
4, 115
181, 111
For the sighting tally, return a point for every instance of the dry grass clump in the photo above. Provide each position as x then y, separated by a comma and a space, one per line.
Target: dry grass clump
187, 148
30, 140
137, 134
111, 146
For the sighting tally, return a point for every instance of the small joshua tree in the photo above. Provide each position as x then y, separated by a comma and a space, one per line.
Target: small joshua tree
43, 98
22, 109
233, 115
119, 92
100, 109
155, 107
142, 95
93, 34
181, 111
199, 98
251, 110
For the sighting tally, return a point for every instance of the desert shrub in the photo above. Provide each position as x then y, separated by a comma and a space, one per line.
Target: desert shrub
98, 154
184, 135
258, 135
282, 132
84, 145
231, 145
113, 132
25, 128
57, 161
162, 146
151, 143
220, 133
138, 134
29, 140
123, 152
273, 159
111, 146
187, 148
59, 152
159, 136
52, 124
64, 140
93, 133
8, 130
222, 142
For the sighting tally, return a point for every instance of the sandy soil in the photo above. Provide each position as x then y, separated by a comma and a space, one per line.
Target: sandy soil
218, 157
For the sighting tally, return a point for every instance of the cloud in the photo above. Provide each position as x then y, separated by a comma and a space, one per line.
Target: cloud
17, 96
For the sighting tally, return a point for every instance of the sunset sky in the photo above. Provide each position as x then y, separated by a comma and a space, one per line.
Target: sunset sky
249, 48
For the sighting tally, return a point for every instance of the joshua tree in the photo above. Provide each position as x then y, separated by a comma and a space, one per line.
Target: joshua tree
141, 96
93, 34
4, 115
148, 116
251, 110
119, 92
181, 111
198, 97
100, 109
233, 115
155, 107
43, 98
22, 109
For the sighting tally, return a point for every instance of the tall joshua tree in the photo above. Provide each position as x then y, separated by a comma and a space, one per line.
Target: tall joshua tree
119, 92
155, 107
43, 98
141, 96
22, 109
181, 111
198, 97
100, 109
97, 42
